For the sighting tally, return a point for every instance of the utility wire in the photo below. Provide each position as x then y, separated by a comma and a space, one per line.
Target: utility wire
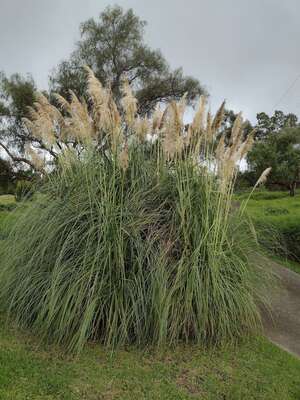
287, 91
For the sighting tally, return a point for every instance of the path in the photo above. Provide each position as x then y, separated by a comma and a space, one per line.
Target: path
283, 327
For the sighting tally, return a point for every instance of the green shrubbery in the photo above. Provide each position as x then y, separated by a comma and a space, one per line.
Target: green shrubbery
132, 257
275, 210
7, 202
263, 195
24, 190
7, 189
291, 242
7, 207
279, 213
137, 240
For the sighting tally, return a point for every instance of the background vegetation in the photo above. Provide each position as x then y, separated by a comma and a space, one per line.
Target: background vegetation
280, 212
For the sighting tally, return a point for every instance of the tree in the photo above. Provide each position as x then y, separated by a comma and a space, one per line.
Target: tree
16, 95
274, 124
114, 48
18, 100
229, 118
281, 152
6, 175
9, 176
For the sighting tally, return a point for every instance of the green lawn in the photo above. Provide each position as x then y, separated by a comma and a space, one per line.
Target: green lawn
255, 370
7, 199
277, 208
280, 211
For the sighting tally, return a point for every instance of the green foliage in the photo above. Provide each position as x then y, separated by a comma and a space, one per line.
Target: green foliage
245, 180
275, 211
24, 190
114, 48
287, 263
17, 93
182, 373
7, 207
7, 199
268, 125
280, 151
150, 255
285, 218
7, 204
228, 121
6, 177
263, 195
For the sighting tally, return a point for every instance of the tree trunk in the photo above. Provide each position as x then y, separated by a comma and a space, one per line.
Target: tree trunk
293, 188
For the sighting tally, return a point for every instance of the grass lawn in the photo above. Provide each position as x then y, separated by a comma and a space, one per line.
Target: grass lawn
277, 208
254, 370
7, 199
280, 211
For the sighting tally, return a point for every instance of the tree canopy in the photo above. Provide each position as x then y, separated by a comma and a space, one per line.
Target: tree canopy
281, 152
17, 93
114, 48
228, 121
274, 124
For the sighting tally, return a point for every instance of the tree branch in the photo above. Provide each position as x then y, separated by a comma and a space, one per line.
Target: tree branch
15, 158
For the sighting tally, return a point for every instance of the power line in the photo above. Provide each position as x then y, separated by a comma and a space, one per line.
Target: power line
287, 91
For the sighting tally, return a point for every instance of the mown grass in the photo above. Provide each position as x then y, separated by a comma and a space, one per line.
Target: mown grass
254, 370
277, 208
7, 199
281, 212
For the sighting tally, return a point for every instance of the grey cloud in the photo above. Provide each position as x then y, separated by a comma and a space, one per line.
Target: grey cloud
244, 51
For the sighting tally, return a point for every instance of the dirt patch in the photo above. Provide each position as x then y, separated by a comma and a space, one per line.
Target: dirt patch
190, 381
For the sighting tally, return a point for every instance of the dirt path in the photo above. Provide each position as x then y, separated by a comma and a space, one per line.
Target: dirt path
283, 328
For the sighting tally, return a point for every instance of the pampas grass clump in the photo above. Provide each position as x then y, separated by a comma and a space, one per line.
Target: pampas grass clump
134, 237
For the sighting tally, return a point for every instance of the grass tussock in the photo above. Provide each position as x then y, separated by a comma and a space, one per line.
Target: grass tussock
134, 237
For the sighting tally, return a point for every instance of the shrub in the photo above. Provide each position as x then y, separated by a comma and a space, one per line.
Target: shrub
24, 190
275, 210
290, 238
7, 207
9, 188
136, 240
263, 195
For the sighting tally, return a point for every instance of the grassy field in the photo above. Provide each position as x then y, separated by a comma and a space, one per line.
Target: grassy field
277, 208
7, 199
282, 212
255, 369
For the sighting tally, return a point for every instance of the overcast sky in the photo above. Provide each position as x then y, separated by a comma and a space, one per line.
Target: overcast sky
244, 51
